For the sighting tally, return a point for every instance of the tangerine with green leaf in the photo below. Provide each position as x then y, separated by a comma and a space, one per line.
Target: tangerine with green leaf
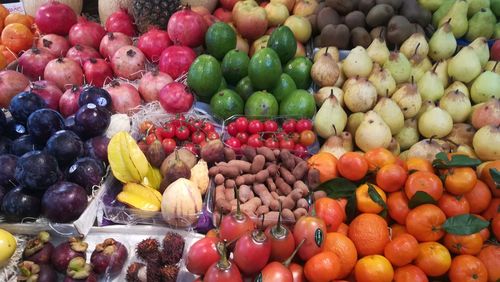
367, 201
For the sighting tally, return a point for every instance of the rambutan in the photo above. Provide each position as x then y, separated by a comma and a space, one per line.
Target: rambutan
173, 247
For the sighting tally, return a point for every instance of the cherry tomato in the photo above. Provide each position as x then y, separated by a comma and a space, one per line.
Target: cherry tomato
272, 143
241, 124
213, 135
178, 120
303, 124
300, 150
270, 126
151, 138
252, 252
168, 145
295, 137
208, 127
145, 127
307, 137
159, 133
281, 135
197, 137
190, 124
255, 141
191, 147
313, 230
223, 270
255, 126
202, 254
287, 144
231, 129
169, 131
233, 142
182, 133
289, 125
198, 124
243, 137
202, 144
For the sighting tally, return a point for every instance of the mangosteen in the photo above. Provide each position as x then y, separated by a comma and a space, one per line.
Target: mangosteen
65, 252
44, 123
97, 148
64, 202
39, 249
24, 144
95, 95
5, 144
86, 172
23, 104
7, 170
109, 256
79, 271
66, 146
20, 203
37, 170
31, 271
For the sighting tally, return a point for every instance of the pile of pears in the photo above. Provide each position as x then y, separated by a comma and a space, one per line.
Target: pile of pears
469, 19
427, 97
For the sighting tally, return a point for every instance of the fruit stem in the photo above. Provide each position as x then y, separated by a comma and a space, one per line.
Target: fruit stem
416, 49
78, 268
223, 263
289, 260
238, 209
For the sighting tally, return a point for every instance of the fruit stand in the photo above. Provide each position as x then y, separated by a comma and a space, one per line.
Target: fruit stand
245, 140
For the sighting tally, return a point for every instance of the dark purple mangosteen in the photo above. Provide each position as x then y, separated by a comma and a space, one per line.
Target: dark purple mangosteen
39, 249
65, 252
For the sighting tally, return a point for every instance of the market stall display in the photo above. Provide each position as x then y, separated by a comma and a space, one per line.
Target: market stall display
308, 141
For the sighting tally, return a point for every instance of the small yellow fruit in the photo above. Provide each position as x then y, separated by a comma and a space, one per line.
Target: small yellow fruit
7, 246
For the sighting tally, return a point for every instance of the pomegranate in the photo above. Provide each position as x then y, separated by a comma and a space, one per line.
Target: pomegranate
113, 41
86, 33
128, 62
151, 84
68, 104
48, 91
176, 98
11, 83
176, 60
55, 17
33, 62
187, 28
97, 71
124, 96
56, 44
121, 21
63, 71
153, 43
81, 53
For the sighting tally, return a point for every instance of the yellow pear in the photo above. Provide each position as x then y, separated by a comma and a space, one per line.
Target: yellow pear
486, 143
378, 51
408, 99
480, 46
332, 50
390, 112
415, 44
430, 86
372, 133
457, 85
399, 67
465, 65
360, 96
353, 122
357, 63
408, 135
325, 92
435, 122
457, 104
330, 118
383, 81
442, 44
441, 69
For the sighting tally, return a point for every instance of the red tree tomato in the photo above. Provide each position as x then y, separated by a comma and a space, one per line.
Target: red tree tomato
313, 230
202, 255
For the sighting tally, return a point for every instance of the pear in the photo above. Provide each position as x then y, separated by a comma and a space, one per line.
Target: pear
342, 78
419, 66
390, 112
408, 135
325, 71
430, 86
428, 149
394, 147
486, 143
457, 16
492, 66
441, 11
330, 118
482, 24
408, 99
476, 5
426, 104
383, 81
338, 145
404, 155
399, 67
485, 87
415, 44
465, 65
480, 46
372, 133
357, 63
441, 69
442, 44
353, 122
457, 104
458, 85
332, 50
325, 92
435, 122
461, 134
378, 51
360, 96
431, 5
486, 114
466, 150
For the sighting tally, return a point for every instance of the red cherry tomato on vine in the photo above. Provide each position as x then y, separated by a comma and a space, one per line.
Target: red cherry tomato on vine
213, 135
255, 141
197, 137
243, 137
151, 138
287, 144
208, 127
169, 131
198, 124
272, 143
270, 126
231, 129
241, 124
289, 125
313, 229
159, 133
303, 124
192, 148
300, 150
295, 137
233, 142
281, 135
182, 133
307, 137
255, 126
145, 127
168, 145
202, 255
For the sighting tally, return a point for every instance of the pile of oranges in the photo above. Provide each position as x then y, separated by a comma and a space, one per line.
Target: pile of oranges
409, 221
17, 35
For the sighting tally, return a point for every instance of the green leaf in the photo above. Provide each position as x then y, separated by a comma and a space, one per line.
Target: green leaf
338, 188
496, 176
420, 198
464, 224
442, 161
375, 196
350, 208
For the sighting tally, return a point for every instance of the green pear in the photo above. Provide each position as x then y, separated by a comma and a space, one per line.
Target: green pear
457, 16
408, 99
493, 66
430, 86
357, 63
431, 5
390, 112
442, 44
441, 11
399, 67
435, 123
457, 104
465, 65
415, 44
408, 135
383, 81
458, 85
378, 51
480, 46
495, 7
353, 122
426, 104
482, 24
486, 143
372, 133
485, 87
419, 67
330, 118
476, 5
441, 69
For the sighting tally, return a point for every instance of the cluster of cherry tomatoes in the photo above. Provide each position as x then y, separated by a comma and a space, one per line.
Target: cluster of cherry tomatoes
190, 133
294, 135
